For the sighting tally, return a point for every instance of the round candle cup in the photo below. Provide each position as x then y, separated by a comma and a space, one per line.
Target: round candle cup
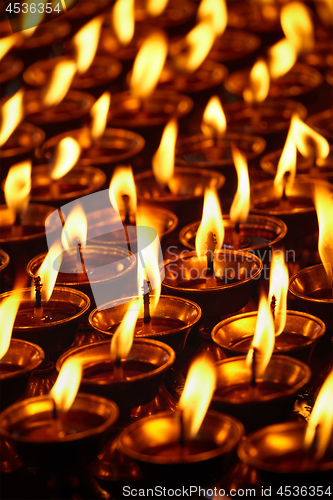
298, 339
16, 366
329, 76
143, 368
322, 123
4, 260
30, 426
153, 442
235, 47
320, 56
254, 16
175, 14
272, 399
278, 453
313, 293
172, 320
11, 67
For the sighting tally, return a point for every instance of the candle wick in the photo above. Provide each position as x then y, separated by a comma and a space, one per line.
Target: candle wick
38, 296
62, 220
80, 256
167, 189
211, 245
146, 289
127, 240
126, 200
55, 410
182, 441
17, 221
253, 378
273, 306
285, 181
118, 369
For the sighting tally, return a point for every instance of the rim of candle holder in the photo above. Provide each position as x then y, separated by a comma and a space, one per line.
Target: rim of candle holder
317, 271
321, 55
329, 76
82, 402
170, 105
81, 11
189, 231
40, 177
46, 34
10, 68
4, 259
314, 121
224, 324
36, 133
6, 30
211, 418
76, 351
234, 44
187, 9
254, 460
37, 358
251, 17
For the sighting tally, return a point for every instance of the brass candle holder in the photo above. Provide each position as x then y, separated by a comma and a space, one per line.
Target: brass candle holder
320, 56
20, 146
171, 321
11, 67
322, 123
255, 16
4, 260
175, 14
329, 76
235, 47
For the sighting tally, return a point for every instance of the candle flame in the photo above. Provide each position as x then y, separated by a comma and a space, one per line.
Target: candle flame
324, 207
17, 186
123, 20
6, 43
8, 311
297, 26
122, 184
11, 116
148, 65
211, 221
99, 114
215, 12
122, 340
308, 142
60, 82
320, 424
156, 7
86, 42
66, 156
281, 58
197, 394
75, 229
241, 203
164, 159
264, 338
48, 271
286, 165
67, 384
214, 123
257, 89
278, 288
198, 43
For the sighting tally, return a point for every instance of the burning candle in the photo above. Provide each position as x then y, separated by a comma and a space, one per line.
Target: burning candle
12, 114
17, 192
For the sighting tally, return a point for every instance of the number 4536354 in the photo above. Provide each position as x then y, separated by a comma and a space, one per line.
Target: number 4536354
32, 8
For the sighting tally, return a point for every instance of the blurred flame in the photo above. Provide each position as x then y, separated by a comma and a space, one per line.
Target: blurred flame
75, 229
214, 122
60, 82
8, 310
324, 206
31, 20
211, 221
321, 416
148, 65
240, 207
66, 156
308, 142
122, 184
99, 114
122, 340
156, 7
7, 43
278, 287
123, 20
48, 271
287, 163
297, 26
324, 10
281, 58
17, 186
215, 12
264, 338
164, 159
86, 42
198, 42
259, 81
67, 384
197, 394
11, 115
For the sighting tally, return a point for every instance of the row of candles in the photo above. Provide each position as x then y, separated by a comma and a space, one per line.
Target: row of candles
110, 255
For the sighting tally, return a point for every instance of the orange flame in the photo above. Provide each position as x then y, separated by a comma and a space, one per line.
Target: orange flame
198, 43
8, 311
214, 122
211, 221
264, 338
197, 394
259, 82
148, 65
122, 340
66, 156
67, 384
278, 288
324, 207
7, 43
123, 20
297, 26
164, 159
75, 229
33, 17
48, 271
60, 82
241, 203
86, 42
11, 115
156, 7
287, 164
281, 58
320, 425
308, 142
215, 12
17, 186
122, 184
99, 114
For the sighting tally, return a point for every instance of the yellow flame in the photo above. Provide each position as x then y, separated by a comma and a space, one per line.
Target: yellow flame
122, 184
264, 338
75, 229
99, 114
198, 43
324, 207
86, 42
197, 394
297, 26
7, 43
122, 340
33, 17
123, 20
8, 310
148, 65
211, 221
287, 164
11, 115
215, 12
156, 7
164, 159
308, 142
60, 82
321, 416
18, 185
67, 384
259, 81
281, 58
66, 156
214, 122
278, 288
241, 203
48, 271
